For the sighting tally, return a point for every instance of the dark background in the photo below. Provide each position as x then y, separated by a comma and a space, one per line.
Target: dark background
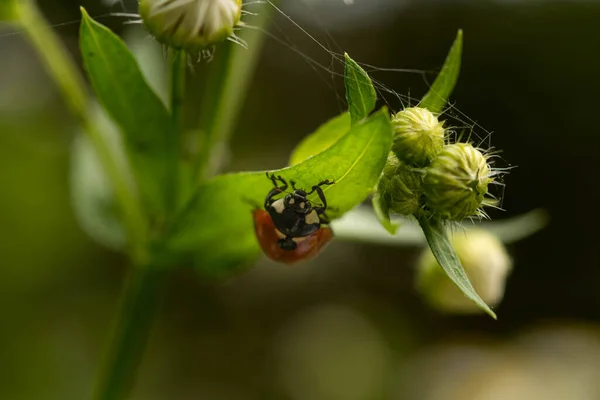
352, 317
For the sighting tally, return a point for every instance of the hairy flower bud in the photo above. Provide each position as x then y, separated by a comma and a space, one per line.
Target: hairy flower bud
401, 186
456, 182
419, 136
485, 261
190, 24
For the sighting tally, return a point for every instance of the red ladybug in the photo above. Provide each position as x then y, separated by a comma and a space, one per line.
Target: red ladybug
290, 228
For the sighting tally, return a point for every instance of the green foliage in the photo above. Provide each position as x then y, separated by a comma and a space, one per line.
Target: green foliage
433, 228
439, 242
323, 138
360, 92
92, 195
436, 98
7, 10
361, 97
382, 212
218, 220
133, 105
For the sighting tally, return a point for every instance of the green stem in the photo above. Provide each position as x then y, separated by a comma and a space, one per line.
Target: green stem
228, 82
71, 84
178, 73
130, 335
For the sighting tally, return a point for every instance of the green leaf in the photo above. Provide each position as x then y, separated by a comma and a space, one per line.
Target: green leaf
133, 105
92, 195
218, 225
8, 10
322, 139
437, 96
439, 242
382, 212
360, 92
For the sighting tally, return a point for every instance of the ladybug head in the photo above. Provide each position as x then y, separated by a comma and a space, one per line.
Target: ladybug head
298, 201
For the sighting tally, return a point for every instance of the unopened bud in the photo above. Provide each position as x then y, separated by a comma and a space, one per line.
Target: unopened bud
418, 136
486, 263
401, 187
190, 24
456, 182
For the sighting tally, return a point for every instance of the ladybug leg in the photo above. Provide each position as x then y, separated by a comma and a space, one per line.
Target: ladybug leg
269, 199
317, 188
276, 190
274, 178
324, 218
325, 182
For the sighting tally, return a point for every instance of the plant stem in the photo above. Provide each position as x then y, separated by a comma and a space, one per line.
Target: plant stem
228, 81
178, 72
70, 82
130, 335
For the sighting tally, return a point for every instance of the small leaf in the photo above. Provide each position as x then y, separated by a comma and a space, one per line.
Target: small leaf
360, 92
437, 96
133, 105
218, 220
92, 195
382, 212
437, 238
322, 139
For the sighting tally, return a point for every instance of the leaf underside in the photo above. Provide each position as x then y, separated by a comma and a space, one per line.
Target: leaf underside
323, 138
218, 220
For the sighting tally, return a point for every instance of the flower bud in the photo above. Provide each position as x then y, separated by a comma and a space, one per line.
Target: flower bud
401, 187
190, 24
418, 136
456, 182
486, 263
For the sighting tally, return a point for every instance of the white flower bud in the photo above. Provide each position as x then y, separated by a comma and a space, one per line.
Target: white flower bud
190, 24
486, 263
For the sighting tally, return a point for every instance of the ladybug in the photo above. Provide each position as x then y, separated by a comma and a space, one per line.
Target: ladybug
290, 228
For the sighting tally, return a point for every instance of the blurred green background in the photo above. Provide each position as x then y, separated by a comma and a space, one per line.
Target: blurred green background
348, 325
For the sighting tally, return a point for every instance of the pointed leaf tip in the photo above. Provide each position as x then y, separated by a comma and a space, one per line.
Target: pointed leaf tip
439, 242
360, 93
436, 98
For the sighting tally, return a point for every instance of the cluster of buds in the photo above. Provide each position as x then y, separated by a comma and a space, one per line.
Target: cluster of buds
191, 25
427, 177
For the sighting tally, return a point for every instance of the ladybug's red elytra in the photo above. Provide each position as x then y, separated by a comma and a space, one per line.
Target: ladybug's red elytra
290, 228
